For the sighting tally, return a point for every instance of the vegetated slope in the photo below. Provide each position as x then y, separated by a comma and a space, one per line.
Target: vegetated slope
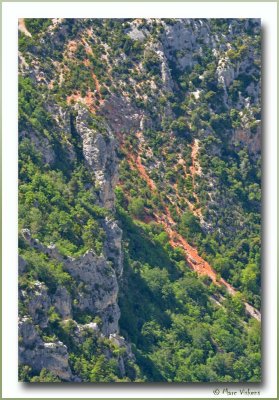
139, 200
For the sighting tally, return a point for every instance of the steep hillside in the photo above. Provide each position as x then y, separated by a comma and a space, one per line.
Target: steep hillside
139, 200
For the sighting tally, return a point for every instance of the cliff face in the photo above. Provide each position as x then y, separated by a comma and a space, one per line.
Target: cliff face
139, 141
99, 152
97, 277
38, 354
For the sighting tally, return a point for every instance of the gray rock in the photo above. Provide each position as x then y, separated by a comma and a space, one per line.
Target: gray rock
21, 265
113, 246
121, 342
158, 48
63, 302
27, 333
23, 66
92, 325
100, 285
251, 140
225, 72
118, 340
38, 304
40, 143
99, 295
38, 354
183, 38
99, 152
120, 114
135, 33
110, 318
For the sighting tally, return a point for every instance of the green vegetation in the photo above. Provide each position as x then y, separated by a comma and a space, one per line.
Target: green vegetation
178, 332
37, 25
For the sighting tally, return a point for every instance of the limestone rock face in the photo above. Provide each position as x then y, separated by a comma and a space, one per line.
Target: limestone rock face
63, 302
110, 318
21, 265
120, 114
113, 245
100, 290
22, 64
38, 304
97, 295
179, 37
165, 70
251, 140
41, 144
99, 152
27, 333
225, 72
119, 341
38, 354
182, 40
135, 33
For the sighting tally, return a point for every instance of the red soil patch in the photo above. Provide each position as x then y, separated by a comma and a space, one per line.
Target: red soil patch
144, 174
97, 84
88, 100
72, 46
197, 263
87, 47
22, 27
195, 168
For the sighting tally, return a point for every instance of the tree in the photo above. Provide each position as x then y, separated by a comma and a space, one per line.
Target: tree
223, 266
45, 376
180, 126
136, 207
93, 236
189, 224
249, 277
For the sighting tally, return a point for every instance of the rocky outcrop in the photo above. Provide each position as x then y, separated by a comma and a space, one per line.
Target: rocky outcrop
120, 342
135, 33
158, 48
183, 41
22, 64
113, 245
99, 290
179, 38
96, 294
21, 265
99, 152
38, 304
38, 354
225, 72
62, 301
251, 140
121, 114
41, 144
